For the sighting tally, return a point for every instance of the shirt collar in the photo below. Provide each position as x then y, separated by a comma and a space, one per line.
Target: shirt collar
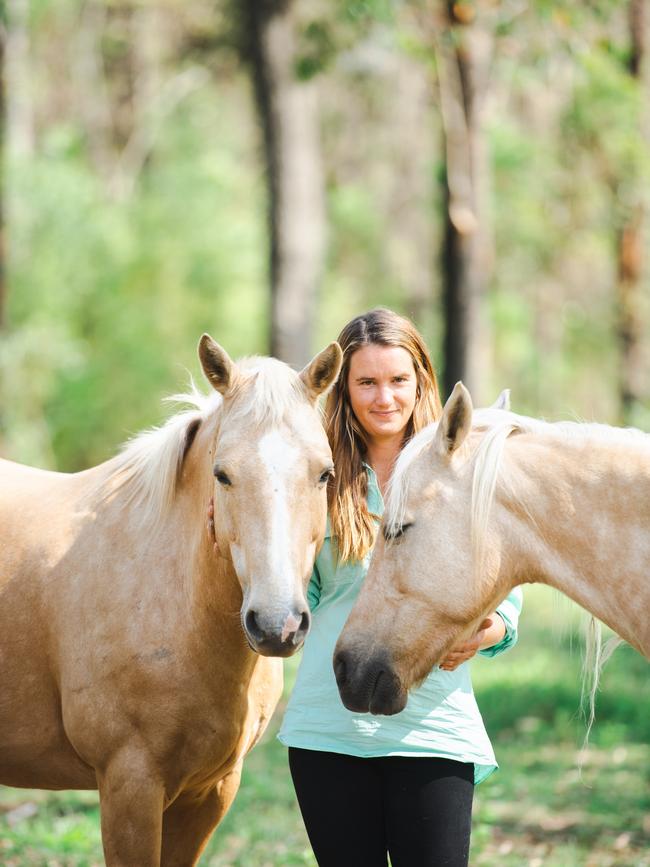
375, 499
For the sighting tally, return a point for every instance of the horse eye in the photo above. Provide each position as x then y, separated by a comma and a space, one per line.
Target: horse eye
326, 475
392, 533
221, 477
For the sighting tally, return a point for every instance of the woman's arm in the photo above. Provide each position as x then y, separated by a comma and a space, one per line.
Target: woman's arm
491, 631
498, 632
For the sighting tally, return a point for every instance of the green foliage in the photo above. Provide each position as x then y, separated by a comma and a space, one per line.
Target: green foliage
110, 296
569, 166
109, 292
318, 49
365, 12
602, 122
323, 39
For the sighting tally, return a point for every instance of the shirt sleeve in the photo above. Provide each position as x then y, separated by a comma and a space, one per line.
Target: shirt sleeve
313, 590
509, 612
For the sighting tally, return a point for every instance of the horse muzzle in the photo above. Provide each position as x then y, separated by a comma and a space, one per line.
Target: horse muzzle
369, 685
271, 635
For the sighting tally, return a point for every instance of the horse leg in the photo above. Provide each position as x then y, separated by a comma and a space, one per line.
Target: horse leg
191, 819
131, 801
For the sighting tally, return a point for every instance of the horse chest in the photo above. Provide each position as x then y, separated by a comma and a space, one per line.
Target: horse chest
214, 733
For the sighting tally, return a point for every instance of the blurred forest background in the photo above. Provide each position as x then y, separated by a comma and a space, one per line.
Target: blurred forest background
265, 170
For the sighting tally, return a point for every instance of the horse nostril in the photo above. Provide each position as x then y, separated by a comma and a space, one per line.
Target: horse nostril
305, 621
340, 669
250, 621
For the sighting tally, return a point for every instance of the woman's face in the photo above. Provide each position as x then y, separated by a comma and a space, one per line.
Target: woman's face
382, 385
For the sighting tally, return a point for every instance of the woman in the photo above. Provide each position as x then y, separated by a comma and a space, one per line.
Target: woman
401, 785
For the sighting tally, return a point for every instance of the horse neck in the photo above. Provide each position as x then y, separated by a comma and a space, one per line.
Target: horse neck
578, 515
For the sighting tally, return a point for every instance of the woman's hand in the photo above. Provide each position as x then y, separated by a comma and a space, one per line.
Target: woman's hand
490, 632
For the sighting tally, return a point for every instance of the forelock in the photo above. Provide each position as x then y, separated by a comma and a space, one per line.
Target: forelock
267, 393
399, 483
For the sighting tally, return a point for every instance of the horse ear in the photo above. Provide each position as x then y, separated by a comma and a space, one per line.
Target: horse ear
502, 401
321, 372
216, 363
455, 422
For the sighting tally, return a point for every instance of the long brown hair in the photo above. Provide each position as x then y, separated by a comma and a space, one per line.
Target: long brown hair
352, 524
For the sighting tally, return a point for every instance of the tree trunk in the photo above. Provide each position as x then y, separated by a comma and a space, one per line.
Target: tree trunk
289, 117
463, 54
410, 244
3, 163
19, 126
92, 101
630, 245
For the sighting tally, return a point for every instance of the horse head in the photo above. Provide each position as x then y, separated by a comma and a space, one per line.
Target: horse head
422, 592
271, 466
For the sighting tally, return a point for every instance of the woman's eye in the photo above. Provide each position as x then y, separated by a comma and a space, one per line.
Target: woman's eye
222, 477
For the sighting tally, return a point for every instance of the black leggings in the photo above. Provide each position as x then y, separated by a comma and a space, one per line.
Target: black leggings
419, 810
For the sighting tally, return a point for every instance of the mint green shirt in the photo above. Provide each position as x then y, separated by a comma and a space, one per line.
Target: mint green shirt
441, 717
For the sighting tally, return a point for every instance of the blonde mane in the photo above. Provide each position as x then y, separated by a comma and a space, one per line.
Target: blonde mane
266, 393
486, 470
147, 469
487, 459
483, 419
498, 425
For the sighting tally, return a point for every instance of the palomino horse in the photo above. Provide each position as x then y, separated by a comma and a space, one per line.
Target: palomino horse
126, 645
479, 504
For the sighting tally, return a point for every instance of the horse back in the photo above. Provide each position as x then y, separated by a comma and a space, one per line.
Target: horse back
37, 514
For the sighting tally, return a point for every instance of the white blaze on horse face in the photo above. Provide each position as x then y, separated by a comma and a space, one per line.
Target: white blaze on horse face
279, 460
238, 558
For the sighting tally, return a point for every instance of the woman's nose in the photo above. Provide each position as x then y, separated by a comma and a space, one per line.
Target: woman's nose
384, 396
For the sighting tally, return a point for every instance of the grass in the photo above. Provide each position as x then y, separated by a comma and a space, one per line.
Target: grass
552, 804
